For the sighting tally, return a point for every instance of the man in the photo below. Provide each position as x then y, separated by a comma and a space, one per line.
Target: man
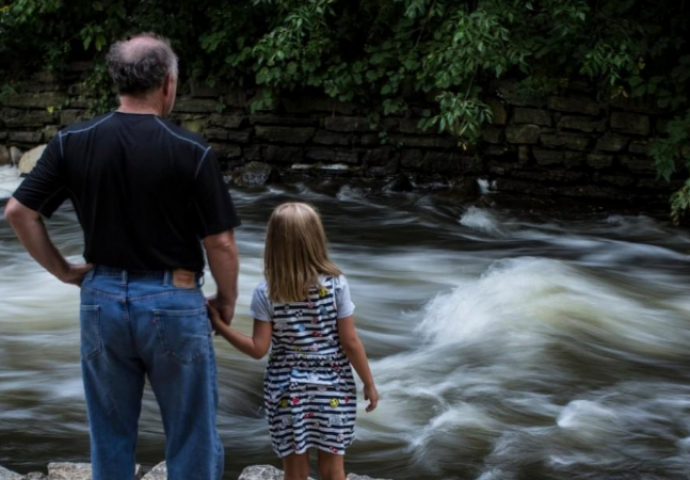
146, 192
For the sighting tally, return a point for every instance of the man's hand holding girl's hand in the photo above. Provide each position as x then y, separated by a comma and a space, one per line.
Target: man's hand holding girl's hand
216, 318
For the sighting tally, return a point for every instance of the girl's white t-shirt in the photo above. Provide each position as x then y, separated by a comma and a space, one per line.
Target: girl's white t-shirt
261, 307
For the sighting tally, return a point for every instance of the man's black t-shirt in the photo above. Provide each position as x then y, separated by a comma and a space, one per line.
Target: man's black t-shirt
146, 191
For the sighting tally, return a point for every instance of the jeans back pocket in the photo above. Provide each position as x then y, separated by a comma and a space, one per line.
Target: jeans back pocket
184, 334
89, 320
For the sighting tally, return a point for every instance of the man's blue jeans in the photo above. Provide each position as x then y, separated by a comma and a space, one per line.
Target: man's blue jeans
138, 324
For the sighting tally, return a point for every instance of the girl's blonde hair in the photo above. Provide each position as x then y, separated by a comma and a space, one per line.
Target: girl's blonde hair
296, 253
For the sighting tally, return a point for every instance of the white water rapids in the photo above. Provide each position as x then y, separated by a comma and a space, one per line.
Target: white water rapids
505, 347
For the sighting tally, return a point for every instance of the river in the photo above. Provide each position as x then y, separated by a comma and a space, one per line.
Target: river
506, 346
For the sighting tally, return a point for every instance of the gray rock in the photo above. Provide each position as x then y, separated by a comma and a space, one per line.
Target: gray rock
5, 157
15, 155
293, 135
630, 123
6, 474
399, 184
75, 471
29, 159
573, 104
533, 116
159, 472
262, 472
257, 173
354, 476
526, 134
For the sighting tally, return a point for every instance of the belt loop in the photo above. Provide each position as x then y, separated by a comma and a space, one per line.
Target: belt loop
166, 278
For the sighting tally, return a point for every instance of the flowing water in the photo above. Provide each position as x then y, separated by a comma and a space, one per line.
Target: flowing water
505, 347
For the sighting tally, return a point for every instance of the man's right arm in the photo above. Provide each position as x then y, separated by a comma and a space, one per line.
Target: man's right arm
223, 261
219, 219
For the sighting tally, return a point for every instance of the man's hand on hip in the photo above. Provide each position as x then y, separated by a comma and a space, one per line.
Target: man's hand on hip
74, 274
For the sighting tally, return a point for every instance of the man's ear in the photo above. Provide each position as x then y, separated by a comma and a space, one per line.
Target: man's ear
168, 83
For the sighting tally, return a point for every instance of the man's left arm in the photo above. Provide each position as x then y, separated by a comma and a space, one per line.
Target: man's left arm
43, 191
32, 232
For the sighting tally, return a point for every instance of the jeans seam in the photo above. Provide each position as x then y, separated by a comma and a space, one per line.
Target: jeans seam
154, 296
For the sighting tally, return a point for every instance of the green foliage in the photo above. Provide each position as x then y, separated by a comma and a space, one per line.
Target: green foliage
389, 55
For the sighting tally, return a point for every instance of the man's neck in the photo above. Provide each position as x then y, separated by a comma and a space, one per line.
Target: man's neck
141, 106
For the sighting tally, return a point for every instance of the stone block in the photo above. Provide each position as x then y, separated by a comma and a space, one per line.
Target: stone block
498, 110
524, 155
429, 141
410, 125
275, 154
548, 157
252, 153
239, 136
324, 154
633, 123
493, 134
227, 121
575, 105
645, 104
573, 159
292, 135
617, 180
195, 105
640, 147
572, 141
583, 124
237, 99
532, 116
413, 160
293, 104
68, 117
347, 124
26, 137
28, 118
638, 164
451, 163
509, 90
525, 134
273, 119
599, 160
324, 137
38, 101
382, 162
547, 175
226, 151
216, 134
611, 142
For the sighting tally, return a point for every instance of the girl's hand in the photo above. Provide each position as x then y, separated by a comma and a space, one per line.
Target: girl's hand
371, 394
216, 318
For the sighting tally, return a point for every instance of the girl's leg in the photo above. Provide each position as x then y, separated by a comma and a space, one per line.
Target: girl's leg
296, 467
331, 466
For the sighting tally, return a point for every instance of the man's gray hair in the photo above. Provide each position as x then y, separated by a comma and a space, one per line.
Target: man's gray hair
139, 64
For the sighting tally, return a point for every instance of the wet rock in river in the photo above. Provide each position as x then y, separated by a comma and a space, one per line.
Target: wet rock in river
262, 472
258, 173
159, 472
29, 159
6, 474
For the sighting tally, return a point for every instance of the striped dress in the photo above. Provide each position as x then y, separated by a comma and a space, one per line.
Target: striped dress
309, 390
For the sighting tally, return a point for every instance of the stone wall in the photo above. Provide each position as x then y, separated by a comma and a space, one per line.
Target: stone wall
567, 144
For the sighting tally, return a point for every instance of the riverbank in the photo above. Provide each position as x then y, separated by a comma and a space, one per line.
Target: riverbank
82, 471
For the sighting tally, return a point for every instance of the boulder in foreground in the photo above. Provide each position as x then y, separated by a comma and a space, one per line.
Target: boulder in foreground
29, 159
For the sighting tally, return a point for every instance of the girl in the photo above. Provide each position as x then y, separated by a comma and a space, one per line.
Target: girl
303, 308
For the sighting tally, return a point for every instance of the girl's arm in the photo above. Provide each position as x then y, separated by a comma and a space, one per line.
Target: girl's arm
353, 348
255, 346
